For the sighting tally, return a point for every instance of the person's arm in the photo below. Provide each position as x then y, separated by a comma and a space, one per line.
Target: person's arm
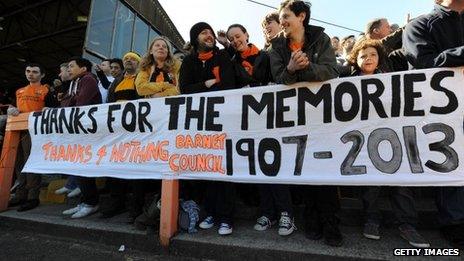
422, 51
103, 79
187, 82
227, 72
393, 41
51, 100
324, 67
88, 90
279, 67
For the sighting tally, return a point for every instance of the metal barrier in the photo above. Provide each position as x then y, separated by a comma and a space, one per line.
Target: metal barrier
16, 124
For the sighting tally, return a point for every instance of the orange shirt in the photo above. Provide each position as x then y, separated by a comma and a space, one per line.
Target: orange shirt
31, 98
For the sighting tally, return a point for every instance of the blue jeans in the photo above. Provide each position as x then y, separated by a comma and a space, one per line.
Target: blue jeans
450, 204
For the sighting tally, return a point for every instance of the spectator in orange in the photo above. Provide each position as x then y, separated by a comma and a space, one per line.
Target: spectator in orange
159, 70
33, 97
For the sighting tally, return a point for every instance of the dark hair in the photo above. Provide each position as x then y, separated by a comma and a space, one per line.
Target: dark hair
242, 28
374, 24
82, 62
363, 44
41, 68
274, 16
107, 60
118, 61
298, 7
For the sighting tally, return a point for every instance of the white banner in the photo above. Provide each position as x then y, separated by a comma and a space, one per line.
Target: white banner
399, 129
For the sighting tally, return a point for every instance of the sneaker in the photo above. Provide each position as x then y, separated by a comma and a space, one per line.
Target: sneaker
72, 210
63, 190
371, 231
410, 234
75, 192
263, 223
208, 222
331, 232
84, 211
224, 229
286, 224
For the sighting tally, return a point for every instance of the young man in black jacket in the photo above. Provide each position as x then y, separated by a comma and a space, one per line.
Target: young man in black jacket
437, 40
209, 69
304, 53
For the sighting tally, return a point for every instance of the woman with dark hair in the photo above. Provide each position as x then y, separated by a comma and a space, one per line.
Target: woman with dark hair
271, 27
159, 70
253, 66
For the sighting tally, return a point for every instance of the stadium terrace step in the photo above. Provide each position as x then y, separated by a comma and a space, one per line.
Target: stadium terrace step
244, 244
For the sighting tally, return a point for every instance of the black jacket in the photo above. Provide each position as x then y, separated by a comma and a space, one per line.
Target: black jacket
261, 74
323, 65
435, 39
193, 73
125, 95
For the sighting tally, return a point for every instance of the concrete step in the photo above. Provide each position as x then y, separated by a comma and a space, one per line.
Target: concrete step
244, 244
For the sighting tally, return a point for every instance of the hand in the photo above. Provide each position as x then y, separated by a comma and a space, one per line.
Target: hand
60, 96
222, 38
57, 83
97, 67
210, 83
12, 111
299, 60
156, 95
408, 18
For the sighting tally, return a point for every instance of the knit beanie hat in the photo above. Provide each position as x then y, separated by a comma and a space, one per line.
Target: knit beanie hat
134, 55
196, 30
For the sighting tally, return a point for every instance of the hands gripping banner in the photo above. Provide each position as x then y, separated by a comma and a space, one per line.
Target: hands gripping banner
398, 129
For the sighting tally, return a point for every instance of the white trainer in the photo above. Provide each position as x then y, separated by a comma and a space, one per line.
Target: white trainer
84, 211
63, 190
75, 192
72, 210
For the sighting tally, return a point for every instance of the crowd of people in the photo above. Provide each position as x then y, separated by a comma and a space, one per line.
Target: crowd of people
294, 51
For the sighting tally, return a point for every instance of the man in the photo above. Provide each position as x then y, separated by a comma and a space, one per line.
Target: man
104, 77
301, 52
116, 67
33, 97
208, 69
123, 89
430, 41
304, 53
378, 29
83, 90
62, 87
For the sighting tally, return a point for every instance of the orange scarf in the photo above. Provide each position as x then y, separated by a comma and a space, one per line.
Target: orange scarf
295, 46
252, 50
205, 56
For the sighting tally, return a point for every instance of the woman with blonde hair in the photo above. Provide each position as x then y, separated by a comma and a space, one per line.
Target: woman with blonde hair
159, 70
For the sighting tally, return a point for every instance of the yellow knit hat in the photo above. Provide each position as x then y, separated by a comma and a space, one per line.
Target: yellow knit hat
132, 55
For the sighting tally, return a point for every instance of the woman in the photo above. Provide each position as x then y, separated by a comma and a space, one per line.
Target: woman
366, 57
159, 71
275, 200
252, 65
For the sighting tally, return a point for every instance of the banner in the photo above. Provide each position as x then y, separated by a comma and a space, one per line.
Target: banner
398, 129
